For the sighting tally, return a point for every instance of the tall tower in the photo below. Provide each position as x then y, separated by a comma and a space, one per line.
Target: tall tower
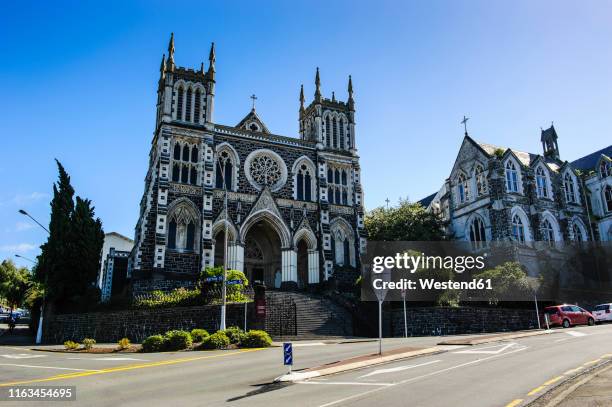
549, 143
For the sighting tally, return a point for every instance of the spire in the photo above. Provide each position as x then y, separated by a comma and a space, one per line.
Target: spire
333, 96
351, 101
202, 68
211, 60
163, 63
302, 99
170, 65
318, 86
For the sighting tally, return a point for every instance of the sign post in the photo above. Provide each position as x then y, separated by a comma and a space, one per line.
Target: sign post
405, 317
288, 355
535, 285
385, 276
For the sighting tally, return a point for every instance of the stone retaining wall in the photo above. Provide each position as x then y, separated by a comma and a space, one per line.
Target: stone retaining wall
433, 321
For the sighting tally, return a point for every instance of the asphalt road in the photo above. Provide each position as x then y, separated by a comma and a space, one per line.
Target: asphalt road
494, 374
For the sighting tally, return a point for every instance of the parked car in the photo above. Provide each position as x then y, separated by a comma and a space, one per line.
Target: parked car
603, 312
567, 315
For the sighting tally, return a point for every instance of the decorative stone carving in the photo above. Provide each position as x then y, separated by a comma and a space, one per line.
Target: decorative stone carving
265, 168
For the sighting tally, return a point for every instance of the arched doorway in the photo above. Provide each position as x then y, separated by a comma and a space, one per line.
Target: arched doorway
262, 255
302, 263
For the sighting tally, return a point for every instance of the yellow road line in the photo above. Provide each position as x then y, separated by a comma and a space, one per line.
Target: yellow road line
572, 371
592, 362
514, 403
554, 380
536, 390
126, 367
607, 355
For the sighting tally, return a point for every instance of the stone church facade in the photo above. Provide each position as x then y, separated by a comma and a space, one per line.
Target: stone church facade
294, 205
501, 194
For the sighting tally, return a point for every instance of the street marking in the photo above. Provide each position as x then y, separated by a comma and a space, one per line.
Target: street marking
572, 371
48, 367
23, 356
553, 380
482, 350
347, 383
562, 339
536, 390
514, 403
592, 362
126, 367
301, 345
607, 355
109, 359
420, 377
397, 369
576, 333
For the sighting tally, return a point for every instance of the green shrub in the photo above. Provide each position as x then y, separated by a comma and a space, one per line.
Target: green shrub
124, 343
216, 341
198, 335
71, 345
178, 340
179, 297
235, 334
256, 339
154, 343
88, 343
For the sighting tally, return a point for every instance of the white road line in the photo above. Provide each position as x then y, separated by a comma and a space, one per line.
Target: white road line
482, 350
398, 369
420, 377
562, 339
348, 383
576, 333
23, 356
49, 367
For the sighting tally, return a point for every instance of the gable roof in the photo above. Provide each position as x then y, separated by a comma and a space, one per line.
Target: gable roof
250, 118
589, 162
525, 158
427, 200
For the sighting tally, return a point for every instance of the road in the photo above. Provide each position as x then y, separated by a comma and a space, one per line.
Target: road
494, 374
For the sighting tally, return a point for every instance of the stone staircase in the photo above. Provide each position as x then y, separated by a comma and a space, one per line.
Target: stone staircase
306, 316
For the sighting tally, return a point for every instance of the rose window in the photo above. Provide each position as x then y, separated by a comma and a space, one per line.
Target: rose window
265, 168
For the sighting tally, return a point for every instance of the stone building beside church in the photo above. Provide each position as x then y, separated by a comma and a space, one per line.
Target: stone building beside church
294, 205
497, 193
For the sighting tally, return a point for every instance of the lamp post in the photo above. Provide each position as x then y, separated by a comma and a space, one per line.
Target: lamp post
25, 258
42, 306
223, 287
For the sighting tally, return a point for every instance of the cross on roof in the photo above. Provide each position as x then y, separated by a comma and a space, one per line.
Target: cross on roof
464, 122
387, 201
254, 98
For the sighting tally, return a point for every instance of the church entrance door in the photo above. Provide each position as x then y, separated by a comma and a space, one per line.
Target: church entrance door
262, 254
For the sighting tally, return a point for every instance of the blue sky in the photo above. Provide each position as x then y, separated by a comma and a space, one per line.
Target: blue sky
79, 83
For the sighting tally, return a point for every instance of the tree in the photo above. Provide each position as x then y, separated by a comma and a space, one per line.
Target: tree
509, 282
406, 222
69, 261
14, 282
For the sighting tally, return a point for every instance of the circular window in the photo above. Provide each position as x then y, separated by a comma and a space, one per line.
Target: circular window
265, 168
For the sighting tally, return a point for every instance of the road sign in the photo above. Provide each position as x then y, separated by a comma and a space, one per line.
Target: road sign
233, 282
287, 354
213, 279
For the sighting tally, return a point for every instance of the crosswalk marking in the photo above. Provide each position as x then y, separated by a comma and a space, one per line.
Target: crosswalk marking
22, 356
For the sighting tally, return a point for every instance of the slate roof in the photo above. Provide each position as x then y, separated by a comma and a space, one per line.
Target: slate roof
427, 200
252, 117
588, 162
525, 158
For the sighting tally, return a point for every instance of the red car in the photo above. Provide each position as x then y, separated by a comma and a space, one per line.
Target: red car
567, 315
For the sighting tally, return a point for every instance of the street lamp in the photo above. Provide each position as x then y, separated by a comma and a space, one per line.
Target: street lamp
42, 306
25, 258
225, 221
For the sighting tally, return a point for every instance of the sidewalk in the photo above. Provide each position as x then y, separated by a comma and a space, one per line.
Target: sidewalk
20, 336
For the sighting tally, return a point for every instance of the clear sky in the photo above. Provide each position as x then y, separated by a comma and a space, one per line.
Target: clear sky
79, 83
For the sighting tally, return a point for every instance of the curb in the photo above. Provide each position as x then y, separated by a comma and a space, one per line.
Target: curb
578, 379
501, 337
324, 371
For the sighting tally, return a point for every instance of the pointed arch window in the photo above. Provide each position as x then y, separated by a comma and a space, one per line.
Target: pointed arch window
182, 230
172, 234
568, 185
477, 230
196, 106
512, 184
328, 135
343, 177
224, 171
605, 169
342, 133
185, 152
193, 176
185, 174
188, 105
330, 194
608, 198
335, 133
179, 103
518, 229
190, 236
481, 181
177, 151
463, 188
541, 183
303, 184
548, 233
337, 177
176, 173
578, 235
194, 154
330, 175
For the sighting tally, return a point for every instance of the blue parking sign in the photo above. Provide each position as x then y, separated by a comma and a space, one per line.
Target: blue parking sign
287, 354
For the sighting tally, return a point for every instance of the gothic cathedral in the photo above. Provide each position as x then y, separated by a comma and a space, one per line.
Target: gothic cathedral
292, 207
